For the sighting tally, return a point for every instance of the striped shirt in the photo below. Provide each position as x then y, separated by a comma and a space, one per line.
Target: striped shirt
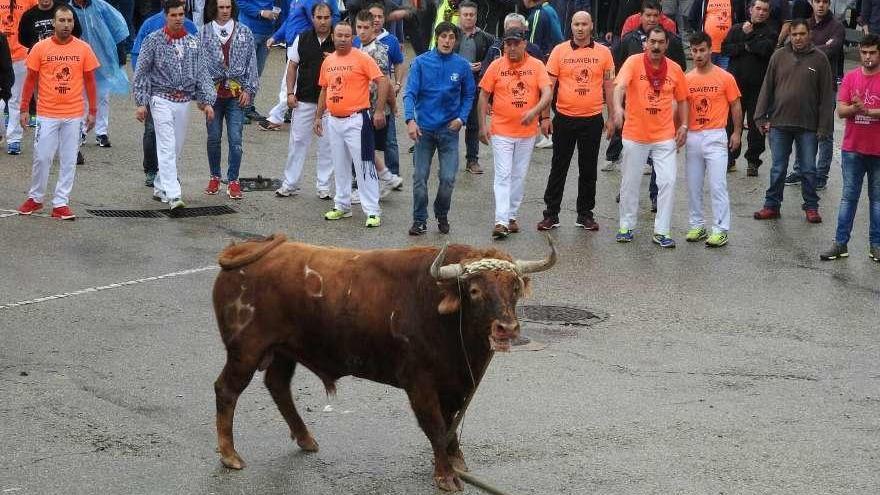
173, 69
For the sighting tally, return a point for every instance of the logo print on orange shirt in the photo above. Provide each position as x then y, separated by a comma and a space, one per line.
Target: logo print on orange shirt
336, 89
520, 93
582, 77
62, 80
703, 107
653, 99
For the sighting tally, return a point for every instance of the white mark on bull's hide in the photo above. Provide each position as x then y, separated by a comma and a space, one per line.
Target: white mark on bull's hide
238, 313
394, 332
241, 272
314, 282
355, 257
349, 288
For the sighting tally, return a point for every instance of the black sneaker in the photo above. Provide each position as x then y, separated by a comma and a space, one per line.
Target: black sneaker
287, 116
793, 179
752, 170
149, 179
443, 225
654, 205
411, 149
821, 184
253, 114
80, 159
836, 251
103, 140
418, 228
874, 252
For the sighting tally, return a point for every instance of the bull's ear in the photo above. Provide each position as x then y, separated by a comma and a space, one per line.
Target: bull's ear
450, 304
526, 287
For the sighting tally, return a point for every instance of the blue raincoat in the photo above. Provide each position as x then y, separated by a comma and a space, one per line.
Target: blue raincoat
103, 27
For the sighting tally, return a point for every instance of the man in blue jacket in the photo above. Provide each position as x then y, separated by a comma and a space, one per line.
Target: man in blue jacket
259, 16
438, 98
544, 27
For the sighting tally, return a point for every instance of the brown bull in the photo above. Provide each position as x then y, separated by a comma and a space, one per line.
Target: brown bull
412, 318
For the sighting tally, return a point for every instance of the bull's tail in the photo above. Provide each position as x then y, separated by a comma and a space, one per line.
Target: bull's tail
238, 255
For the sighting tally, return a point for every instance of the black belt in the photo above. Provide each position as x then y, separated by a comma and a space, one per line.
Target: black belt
349, 115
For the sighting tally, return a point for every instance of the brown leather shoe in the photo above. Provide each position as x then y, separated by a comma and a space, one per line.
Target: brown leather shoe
512, 226
500, 232
473, 167
766, 213
813, 216
586, 222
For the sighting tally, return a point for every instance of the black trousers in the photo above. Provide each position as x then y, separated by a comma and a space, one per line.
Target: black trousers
568, 132
755, 139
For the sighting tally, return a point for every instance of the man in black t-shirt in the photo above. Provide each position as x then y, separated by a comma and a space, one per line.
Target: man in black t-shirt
36, 23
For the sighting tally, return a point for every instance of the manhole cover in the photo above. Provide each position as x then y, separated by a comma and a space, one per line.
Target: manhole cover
259, 183
559, 316
199, 211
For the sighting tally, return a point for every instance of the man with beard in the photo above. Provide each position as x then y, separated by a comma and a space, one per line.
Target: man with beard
712, 96
652, 85
582, 71
750, 45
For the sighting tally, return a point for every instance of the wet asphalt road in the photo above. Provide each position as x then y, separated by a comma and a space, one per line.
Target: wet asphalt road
748, 369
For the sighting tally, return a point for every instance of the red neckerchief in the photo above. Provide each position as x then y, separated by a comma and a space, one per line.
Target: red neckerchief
655, 76
174, 36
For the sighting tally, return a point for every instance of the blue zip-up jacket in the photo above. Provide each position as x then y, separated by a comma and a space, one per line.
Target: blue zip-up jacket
544, 27
249, 15
439, 89
154, 23
299, 19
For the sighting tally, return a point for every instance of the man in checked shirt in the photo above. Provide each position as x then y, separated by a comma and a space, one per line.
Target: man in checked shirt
171, 71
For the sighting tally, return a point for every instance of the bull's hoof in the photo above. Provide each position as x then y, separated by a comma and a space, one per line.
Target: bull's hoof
233, 461
449, 483
308, 444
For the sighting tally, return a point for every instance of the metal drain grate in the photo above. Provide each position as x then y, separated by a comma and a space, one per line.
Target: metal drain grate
126, 213
259, 183
559, 316
199, 211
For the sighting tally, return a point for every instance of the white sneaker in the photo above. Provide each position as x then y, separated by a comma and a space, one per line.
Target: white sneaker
647, 169
385, 188
159, 195
610, 165
286, 192
544, 142
323, 194
396, 182
355, 197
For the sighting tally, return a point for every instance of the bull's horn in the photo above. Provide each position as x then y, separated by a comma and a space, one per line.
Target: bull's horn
441, 272
542, 265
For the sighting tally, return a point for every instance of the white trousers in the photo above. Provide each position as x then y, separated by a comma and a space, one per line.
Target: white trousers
276, 114
301, 133
13, 128
635, 155
50, 137
102, 118
707, 155
344, 135
170, 118
512, 156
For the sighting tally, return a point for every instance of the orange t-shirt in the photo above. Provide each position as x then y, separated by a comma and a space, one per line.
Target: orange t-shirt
649, 114
516, 88
580, 74
347, 81
709, 97
717, 22
62, 69
9, 25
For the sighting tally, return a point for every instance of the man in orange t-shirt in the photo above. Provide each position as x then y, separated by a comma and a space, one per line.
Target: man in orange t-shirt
651, 84
520, 90
61, 67
10, 18
582, 71
345, 93
712, 96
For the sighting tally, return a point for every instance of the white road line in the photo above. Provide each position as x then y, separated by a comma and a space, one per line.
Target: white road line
89, 290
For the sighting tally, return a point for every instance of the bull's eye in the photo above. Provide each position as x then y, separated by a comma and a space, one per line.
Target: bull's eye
475, 293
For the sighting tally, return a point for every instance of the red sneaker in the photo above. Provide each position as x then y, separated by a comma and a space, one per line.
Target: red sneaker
233, 190
766, 213
813, 216
29, 207
213, 186
63, 213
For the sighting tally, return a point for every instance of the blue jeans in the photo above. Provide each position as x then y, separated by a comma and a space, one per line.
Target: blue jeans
823, 159
721, 60
855, 166
781, 141
229, 109
392, 153
262, 51
151, 159
445, 142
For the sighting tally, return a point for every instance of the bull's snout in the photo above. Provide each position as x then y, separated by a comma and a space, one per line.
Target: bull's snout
502, 334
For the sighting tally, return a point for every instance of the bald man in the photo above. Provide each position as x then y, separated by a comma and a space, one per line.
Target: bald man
582, 72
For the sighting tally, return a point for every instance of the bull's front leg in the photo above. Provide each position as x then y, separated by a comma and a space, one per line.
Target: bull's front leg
426, 406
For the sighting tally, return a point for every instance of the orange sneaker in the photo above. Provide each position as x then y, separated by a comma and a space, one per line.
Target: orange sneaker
29, 207
213, 185
63, 213
233, 190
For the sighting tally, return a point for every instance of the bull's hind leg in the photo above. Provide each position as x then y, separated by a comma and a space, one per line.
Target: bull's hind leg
234, 378
278, 377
